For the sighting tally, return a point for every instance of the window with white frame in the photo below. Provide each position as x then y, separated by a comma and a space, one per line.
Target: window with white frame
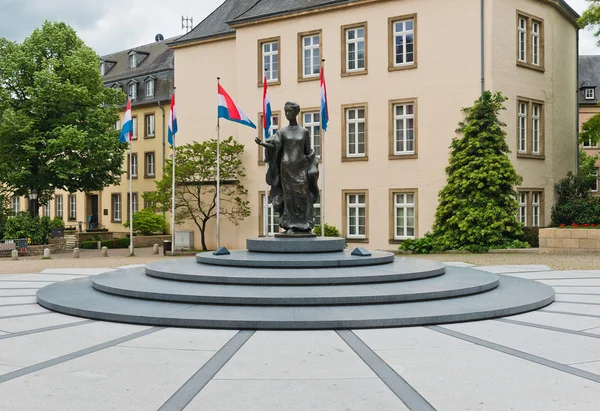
116, 207
355, 49
46, 210
522, 127
270, 220
356, 210
588, 144
134, 127
404, 42
150, 164
15, 204
536, 115
133, 203
150, 88
312, 122
134, 165
590, 93
523, 207
535, 43
133, 91
270, 60
132, 61
149, 125
72, 207
311, 55
355, 132
522, 35
59, 206
595, 185
404, 215
404, 129
317, 214
118, 125
535, 208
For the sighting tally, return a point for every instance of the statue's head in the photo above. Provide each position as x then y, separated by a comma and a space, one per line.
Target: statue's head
291, 110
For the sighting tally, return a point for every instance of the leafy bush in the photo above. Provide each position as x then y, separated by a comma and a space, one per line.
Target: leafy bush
57, 222
330, 231
531, 236
418, 245
122, 243
145, 222
89, 245
115, 243
24, 225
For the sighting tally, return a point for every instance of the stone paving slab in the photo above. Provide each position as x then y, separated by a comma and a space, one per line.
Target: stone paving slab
17, 300
9, 293
184, 339
15, 325
23, 309
37, 277
592, 299
77, 271
568, 322
505, 269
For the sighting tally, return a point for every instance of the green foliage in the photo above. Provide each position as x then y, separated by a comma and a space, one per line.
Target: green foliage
115, 243
56, 117
57, 222
122, 243
590, 131
330, 231
423, 245
478, 206
531, 236
575, 203
89, 245
24, 225
5, 213
591, 17
195, 178
146, 222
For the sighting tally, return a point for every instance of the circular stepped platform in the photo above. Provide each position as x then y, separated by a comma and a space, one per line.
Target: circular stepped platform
134, 283
401, 269
295, 245
297, 291
245, 258
512, 296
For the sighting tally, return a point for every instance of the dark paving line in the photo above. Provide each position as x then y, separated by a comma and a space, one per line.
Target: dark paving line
184, 395
568, 313
24, 315
576, 302
16, 305
33, 295
550, 328
27, 281
43, 329
518, 354
403, 390
573, 286
23, 288
598, 295
76, 354
565, 278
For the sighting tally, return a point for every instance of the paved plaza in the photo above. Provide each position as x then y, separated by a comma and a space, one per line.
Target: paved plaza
546, 360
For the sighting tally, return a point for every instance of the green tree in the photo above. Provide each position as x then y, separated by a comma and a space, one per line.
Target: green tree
195, 179
56, 117
478, 206
590, 131
591, 17
146, 222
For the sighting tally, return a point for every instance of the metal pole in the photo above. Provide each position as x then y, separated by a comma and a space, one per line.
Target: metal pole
131, 195
218, 175
173, 201
322, 172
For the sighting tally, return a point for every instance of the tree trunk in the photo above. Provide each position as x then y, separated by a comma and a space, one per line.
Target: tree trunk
202, 236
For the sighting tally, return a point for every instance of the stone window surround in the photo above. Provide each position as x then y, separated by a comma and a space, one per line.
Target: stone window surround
391, 43
391, 129
527, 63
528, 153
345, 194
391, 219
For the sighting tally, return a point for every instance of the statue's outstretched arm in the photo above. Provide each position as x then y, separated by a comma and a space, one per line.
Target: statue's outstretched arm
269, 146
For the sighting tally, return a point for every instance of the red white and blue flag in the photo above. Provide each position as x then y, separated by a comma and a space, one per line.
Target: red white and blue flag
324, 108
127, 130
229, 111
172, 121
267, 113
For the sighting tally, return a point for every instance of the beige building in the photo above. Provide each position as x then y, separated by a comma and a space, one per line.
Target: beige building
146, 74
398, 74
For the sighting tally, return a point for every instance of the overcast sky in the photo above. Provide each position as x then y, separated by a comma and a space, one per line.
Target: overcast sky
113, 25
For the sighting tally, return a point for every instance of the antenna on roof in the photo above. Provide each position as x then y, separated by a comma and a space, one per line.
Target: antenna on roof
159, 37
187, 23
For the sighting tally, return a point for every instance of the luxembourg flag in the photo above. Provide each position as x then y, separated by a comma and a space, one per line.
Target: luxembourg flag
127, 130
172, 120
267, 113
229, 111
324, 108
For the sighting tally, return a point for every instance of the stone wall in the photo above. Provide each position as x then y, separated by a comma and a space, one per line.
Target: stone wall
56, 245
149, 241
569, 240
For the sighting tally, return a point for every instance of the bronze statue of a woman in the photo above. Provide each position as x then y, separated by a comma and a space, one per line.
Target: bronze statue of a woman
293, 174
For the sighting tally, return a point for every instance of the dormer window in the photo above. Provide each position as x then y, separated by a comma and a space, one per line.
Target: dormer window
150, 87
590, 93
132, 61
133, 91
102, 68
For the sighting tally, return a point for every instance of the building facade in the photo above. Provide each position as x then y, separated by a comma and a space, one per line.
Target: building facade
144, 73
589, 81
398, 75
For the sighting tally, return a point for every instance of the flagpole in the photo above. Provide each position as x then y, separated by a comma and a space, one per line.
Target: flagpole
322, 172
173, 201
130, 195
218, 173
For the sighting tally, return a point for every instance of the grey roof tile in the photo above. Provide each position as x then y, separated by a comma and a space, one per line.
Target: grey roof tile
589, 76
156, 57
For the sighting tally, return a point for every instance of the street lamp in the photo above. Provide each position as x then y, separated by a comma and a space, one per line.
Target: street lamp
33, 197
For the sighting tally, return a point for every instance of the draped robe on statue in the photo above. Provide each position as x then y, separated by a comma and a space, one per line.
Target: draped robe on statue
293, 175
